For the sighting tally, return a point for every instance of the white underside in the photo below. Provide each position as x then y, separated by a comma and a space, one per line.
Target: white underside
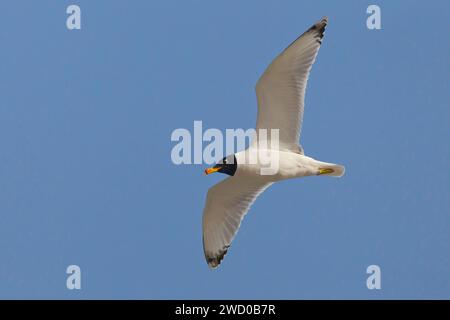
285, 164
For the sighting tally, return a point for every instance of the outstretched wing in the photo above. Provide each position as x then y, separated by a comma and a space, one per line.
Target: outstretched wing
226, 204
281, 88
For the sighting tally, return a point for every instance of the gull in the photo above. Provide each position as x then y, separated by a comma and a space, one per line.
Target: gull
280, 94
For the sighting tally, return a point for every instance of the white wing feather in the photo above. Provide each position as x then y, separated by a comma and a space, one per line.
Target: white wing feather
281, 88
226, 204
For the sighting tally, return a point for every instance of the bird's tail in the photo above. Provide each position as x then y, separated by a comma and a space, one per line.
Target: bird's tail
331, 169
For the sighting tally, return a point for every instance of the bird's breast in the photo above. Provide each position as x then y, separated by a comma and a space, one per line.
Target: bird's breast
273, 165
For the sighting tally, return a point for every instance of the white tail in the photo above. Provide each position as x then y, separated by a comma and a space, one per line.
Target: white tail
338, 170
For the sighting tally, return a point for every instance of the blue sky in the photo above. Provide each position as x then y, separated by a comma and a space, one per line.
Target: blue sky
86, 176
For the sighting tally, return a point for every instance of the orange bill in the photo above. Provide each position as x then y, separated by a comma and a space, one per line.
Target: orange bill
212, 170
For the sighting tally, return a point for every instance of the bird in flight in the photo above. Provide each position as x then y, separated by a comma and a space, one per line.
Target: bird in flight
280, 93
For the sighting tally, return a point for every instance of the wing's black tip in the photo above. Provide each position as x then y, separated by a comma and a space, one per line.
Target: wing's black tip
214, 260
319, 27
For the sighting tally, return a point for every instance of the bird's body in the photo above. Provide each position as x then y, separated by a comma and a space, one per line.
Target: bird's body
290, 165
270, 158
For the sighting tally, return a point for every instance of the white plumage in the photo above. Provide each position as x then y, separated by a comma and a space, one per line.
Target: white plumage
280, 92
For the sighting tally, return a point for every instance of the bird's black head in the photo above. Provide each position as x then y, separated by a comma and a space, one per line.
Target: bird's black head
227, 165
